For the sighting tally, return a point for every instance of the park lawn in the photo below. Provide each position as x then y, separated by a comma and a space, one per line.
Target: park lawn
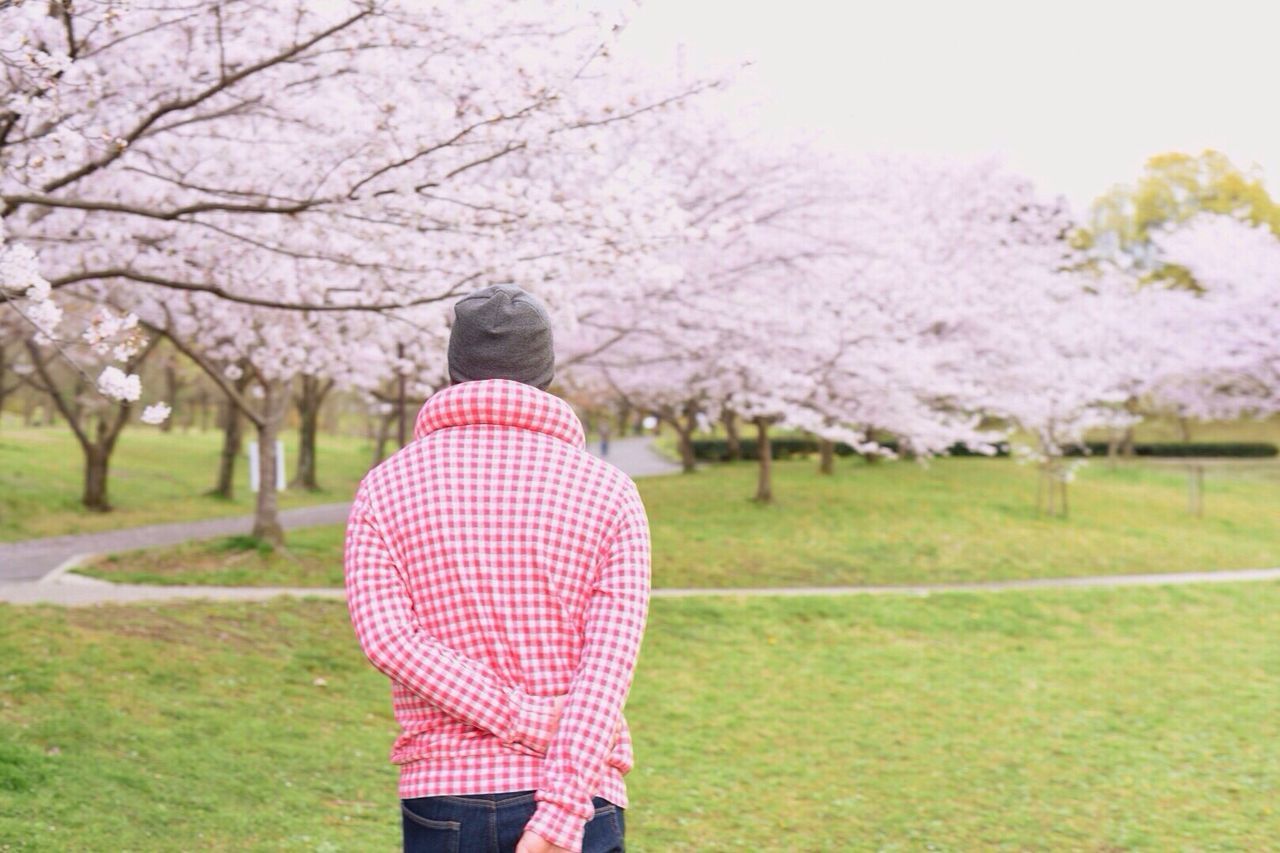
155, 478
956, 520
311, 557
1125, 719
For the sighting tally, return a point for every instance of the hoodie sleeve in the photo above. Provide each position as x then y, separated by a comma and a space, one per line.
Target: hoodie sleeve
614, 625
388, 631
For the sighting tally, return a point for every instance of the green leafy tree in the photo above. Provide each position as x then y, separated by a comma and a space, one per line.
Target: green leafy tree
1172, 188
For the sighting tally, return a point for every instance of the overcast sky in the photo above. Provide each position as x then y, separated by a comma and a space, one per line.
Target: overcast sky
1075, 95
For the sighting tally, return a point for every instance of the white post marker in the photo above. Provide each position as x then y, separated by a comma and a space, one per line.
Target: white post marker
253, 466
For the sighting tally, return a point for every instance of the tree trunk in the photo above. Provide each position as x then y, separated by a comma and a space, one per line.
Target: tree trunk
688, 463
402, 431
309, 403
266, 517
232, 442
1195, 490
624, 419
826, 456
733, 442
764, 448
96, 463
170, 393
4, 392
384, 432
305, 476
1113, 448
1126, 443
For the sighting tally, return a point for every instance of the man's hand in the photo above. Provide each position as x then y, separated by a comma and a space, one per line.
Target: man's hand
532, 842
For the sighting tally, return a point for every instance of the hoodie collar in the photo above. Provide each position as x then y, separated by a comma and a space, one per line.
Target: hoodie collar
500, 402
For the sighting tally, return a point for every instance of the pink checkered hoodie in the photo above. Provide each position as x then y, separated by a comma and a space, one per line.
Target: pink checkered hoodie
492, 565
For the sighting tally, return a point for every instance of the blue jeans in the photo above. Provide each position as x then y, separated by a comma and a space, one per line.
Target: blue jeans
493, 823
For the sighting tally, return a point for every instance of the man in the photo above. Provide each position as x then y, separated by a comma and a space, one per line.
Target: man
499, 575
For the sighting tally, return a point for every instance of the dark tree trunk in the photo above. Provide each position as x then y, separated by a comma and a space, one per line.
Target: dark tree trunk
5, 389
688, 463
624, 418
384, 433
170, 393
305, 476
96, 464
96, 442
826, 456
232, 442
402, 431
733, 441
764, 485
266, 516
309, 401
204, 410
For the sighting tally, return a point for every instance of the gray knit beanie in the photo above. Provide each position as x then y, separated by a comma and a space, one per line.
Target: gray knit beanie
501, 332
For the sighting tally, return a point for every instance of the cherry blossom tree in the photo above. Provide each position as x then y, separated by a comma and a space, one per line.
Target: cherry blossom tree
233, 160
1233, 364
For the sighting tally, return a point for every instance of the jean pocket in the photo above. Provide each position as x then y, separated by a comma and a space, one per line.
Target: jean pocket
604, 832
427, 835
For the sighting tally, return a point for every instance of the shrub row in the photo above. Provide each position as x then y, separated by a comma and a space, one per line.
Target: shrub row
1238, 449
717, 449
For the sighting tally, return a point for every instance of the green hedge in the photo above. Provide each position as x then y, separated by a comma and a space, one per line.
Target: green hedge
717, 449
1220, 449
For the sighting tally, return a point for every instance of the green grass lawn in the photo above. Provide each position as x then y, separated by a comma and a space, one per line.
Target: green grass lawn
1130, 719
155, 477
312, 556
954, 520
888, 523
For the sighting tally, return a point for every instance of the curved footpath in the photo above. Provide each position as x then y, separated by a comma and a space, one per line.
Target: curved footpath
38, 571
35, 570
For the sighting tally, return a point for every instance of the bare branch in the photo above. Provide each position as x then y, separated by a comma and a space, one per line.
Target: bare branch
14, 201
222, 293
212, 372
198, 98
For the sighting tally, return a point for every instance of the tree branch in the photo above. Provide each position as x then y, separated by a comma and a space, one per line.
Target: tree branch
222, 293
186, 103
58, 400
213, 373
15, 201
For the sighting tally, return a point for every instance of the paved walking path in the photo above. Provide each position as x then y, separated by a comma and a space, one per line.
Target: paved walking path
38, 571
24, 563
34, 558
74, 590
636, 456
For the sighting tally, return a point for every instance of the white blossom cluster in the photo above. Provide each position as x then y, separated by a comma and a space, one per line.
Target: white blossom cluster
115, 335
156, 414
115, 384
20, 281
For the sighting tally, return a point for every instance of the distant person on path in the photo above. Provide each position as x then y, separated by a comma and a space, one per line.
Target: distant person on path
499, 575
605, 431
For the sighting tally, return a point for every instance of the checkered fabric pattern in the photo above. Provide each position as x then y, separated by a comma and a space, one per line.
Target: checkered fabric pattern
491, 566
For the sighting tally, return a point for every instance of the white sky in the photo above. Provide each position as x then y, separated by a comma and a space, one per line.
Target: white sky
1075, 95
